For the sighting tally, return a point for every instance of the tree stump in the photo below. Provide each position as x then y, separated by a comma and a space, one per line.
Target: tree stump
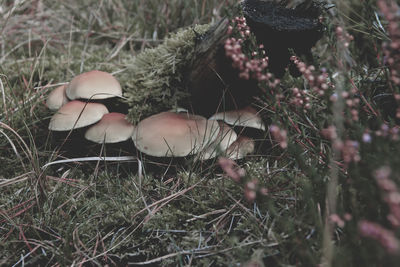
214, 84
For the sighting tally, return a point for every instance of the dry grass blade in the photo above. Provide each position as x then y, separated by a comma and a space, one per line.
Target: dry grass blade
14, 148
3, 94
24, 146
202, 251
22, 178
87, 159
168, 198
26, 205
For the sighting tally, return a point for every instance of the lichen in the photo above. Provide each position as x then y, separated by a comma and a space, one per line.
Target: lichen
157, 74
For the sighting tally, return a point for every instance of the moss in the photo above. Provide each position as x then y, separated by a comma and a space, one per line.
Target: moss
157, 74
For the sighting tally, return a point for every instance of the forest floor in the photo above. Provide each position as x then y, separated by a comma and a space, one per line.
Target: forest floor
325, 194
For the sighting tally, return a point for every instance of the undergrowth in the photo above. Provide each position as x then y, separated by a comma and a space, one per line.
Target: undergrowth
325, 193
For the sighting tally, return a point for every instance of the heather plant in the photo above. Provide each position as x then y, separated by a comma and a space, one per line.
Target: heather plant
322, 187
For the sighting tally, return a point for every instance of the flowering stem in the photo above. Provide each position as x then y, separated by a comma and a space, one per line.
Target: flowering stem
338, 111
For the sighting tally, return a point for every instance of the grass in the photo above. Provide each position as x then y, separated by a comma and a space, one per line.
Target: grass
322, 187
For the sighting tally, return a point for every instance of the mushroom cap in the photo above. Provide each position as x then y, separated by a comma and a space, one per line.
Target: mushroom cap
76, 114
225, 138
94, 84
174, 134
112, 128
240, 148
57, 98
245, 117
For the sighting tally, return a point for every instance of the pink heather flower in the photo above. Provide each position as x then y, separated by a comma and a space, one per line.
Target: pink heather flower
350, 151
382, 173
316, 80
250, 192
254, 68
264, 191
393, 220
337, 220
392, 195
329, 133
231, 169
344, 37
230, 30
347, 217
300, 99
390, 10
375, 231
279, 135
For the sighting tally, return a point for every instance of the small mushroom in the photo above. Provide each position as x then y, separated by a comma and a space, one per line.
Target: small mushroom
112, 128
225, 138
170, 134
94, 85
57, 98
76, 114
240, 148
245, 117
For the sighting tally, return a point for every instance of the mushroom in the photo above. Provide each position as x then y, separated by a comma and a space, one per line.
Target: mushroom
76, 114
174, 134
245, 117
57, 98
112, 128
225, 138
94, 85
240, 148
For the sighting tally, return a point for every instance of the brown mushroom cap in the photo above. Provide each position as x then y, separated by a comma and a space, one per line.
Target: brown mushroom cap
94, 85
57, 98
245, 117
174, 134
112, 128
240, 148
225, 138
76, 114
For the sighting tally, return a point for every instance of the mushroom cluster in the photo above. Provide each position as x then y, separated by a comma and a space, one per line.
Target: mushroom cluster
76, 109
167, 134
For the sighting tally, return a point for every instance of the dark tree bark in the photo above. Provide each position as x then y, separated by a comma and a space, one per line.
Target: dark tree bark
212, 81
281, 29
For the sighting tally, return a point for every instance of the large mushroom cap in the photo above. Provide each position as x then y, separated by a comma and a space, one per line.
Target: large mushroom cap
225, 138
94, 85
57, 98
174, 134
76, 114
245, 117
112, 128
